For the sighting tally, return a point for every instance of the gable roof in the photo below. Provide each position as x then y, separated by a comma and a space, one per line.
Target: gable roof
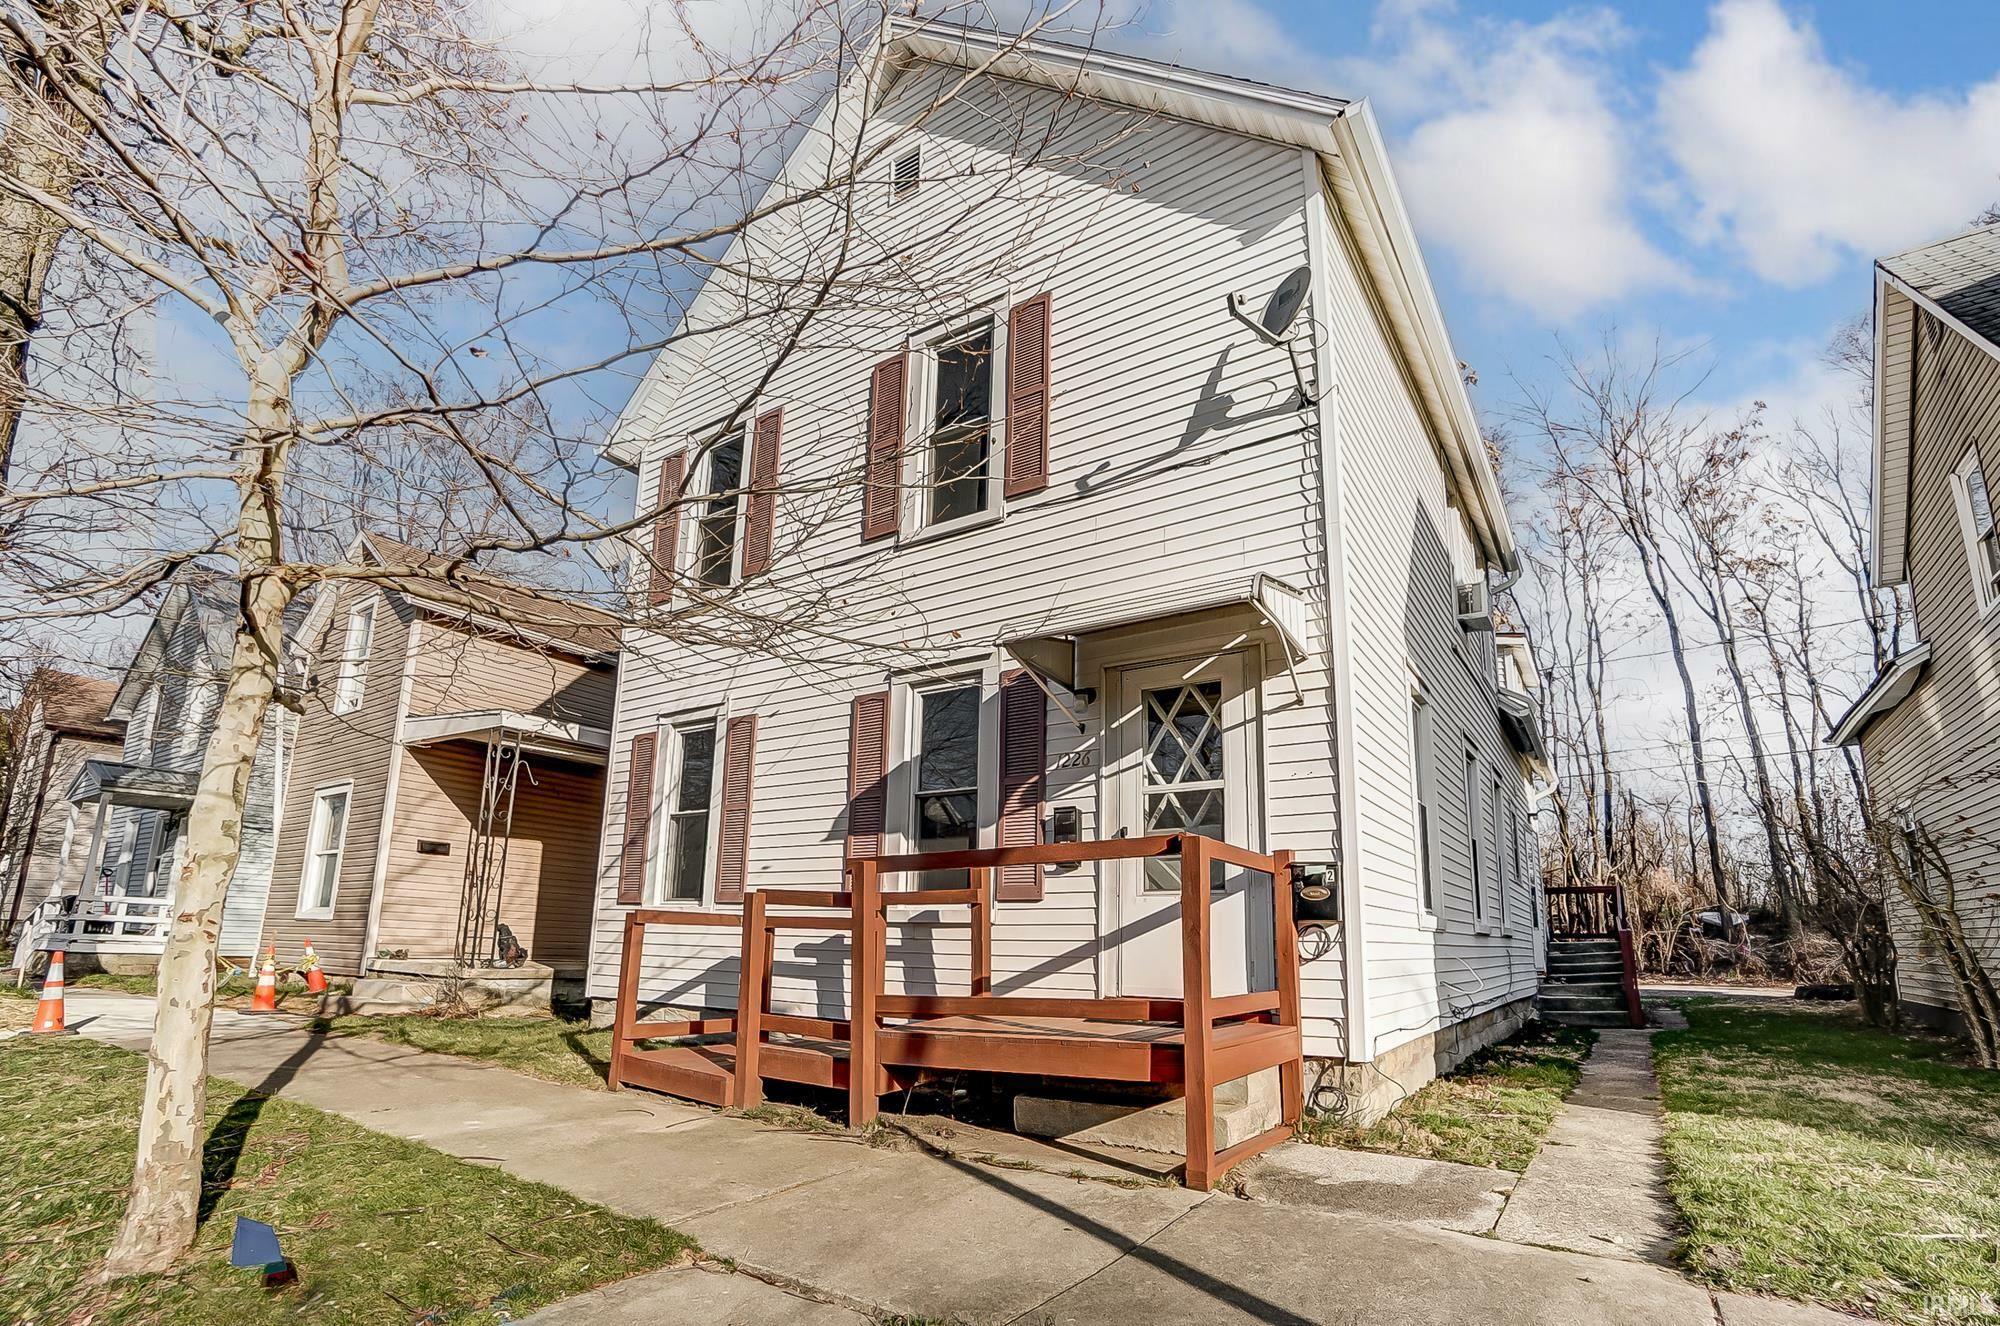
1957, 282
1355, 173
455, 589
74, 704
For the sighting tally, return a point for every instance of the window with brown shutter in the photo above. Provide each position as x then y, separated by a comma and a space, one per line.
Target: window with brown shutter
763, 505
867, 773
638, 820
1023, 778
1028, 397
667, 527
739, 767
882, 498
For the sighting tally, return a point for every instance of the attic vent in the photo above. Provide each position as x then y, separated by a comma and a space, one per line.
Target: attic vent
1475, 607
908, 173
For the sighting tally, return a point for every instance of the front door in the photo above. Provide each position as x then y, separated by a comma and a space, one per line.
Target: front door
1182, 738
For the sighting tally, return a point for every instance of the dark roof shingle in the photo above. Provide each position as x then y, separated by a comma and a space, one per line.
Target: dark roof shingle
462, 586
1960, 275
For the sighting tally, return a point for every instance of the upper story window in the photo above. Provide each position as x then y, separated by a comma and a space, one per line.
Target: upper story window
906, 175
353, 676
1982, 539
691, 785
955, 469
715, 530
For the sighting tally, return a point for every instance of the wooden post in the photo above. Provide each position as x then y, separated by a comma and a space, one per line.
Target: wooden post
625, 1009
752, 971
1196, 1026
1285, 942
982, 932
862, 988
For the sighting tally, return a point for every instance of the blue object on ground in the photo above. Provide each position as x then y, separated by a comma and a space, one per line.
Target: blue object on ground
255, 1246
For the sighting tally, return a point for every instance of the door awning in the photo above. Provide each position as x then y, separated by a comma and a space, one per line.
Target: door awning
533, 732
137, 785
1048, 646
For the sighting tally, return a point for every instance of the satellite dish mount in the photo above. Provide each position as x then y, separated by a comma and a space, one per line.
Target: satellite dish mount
1273, 326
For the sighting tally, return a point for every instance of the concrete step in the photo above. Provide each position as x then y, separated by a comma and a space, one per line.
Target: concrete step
1243, 1109
378, 995
1583, 989
1589, 1018
1578, 947
1555, 1004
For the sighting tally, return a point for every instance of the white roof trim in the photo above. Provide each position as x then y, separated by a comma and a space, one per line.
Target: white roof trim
1048, 646
1887, 691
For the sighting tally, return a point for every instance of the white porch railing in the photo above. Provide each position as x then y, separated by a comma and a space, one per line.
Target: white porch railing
111, 924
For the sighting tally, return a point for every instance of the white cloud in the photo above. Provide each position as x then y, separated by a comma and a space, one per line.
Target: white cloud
1798, 163
1519, 164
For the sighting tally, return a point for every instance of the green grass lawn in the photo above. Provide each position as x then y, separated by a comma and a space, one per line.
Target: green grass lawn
382, 1230
1815, 1157
1494, 1110
552, 1048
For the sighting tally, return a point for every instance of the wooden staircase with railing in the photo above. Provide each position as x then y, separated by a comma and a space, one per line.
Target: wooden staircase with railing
1193, 1044
1593, 967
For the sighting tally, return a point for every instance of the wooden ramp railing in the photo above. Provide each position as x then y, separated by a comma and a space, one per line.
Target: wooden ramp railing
1196, 1042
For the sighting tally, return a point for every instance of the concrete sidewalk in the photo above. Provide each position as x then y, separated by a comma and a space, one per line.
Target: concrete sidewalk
850, 1231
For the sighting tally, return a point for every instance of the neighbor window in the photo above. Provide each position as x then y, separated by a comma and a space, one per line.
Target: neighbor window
354, 659
1497, 857
715, 531
946, 788
325, 837
956, 459
1513, 856
1420, 782
1982, 539
1475, 831
692, 780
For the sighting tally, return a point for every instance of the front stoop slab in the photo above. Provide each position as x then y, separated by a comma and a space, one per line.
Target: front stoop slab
1243, 1109
1467, 1198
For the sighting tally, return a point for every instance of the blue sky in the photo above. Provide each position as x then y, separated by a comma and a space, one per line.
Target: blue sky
1715, 174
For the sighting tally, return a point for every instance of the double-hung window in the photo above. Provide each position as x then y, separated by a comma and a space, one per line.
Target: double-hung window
1475, 834
326, 836
956, 457
715, 538
691, 787
1421, 782
945, 813
1982, 538
353, 675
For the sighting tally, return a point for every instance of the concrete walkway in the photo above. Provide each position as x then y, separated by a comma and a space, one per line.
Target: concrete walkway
1598, 1184
825, 1228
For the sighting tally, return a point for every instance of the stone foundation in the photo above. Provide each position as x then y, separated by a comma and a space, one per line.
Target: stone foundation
1372, 1089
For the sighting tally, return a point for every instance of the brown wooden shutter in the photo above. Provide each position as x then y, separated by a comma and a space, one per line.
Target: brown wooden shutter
638, 820
667, 527
763, 504
1024, 729
739, 777
1028, 397
882, 496
868, 774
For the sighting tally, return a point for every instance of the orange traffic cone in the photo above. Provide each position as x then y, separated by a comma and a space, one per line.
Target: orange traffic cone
266, 998
309, 968
49, 1012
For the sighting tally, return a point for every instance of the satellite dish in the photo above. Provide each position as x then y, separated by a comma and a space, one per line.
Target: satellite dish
1286, 301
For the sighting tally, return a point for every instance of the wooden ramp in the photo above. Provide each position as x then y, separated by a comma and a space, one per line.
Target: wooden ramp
890, 1041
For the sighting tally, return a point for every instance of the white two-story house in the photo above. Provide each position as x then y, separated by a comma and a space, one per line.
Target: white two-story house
1034, 532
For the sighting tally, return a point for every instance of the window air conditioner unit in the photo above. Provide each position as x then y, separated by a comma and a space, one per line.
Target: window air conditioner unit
1475, 607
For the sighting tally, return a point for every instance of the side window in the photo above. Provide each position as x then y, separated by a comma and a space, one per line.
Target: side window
1475, 835
690, 790
1422, 782
716, 529
354, 651
1982, 539
326, 837
954, 457
1499, 857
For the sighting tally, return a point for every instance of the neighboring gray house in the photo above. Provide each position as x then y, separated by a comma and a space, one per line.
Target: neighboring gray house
131, 809
1929, 727
59, 723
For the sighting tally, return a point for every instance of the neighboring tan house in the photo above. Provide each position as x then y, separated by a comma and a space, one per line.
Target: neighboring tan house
1114, 574
132, 807
59, 723
1929, 726
447, 782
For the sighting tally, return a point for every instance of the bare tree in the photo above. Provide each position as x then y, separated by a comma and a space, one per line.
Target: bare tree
372, 235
